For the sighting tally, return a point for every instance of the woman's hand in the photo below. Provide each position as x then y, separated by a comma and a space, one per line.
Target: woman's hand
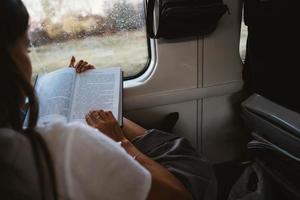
106, 123
164, 186
81, 66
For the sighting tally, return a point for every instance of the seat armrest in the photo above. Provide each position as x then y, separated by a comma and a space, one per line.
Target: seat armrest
274, 113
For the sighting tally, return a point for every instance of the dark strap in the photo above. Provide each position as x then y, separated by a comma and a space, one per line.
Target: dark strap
150, 18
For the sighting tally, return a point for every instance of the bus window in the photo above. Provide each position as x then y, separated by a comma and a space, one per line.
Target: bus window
106, 33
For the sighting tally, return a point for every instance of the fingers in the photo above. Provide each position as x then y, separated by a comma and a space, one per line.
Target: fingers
78, 65
105, 123
96, 115
81, 66
79, 69
94, 118
102, 114
90, 121
107, 115
87, 67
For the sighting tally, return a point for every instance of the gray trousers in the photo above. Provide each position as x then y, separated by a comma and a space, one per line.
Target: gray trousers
181, 159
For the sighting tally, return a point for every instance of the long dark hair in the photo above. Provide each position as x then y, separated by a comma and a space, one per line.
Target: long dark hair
14, 86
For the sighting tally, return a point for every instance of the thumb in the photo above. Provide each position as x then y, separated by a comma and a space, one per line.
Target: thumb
89, 121
72, 62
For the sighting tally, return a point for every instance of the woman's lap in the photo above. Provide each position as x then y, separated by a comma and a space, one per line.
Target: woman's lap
181, 159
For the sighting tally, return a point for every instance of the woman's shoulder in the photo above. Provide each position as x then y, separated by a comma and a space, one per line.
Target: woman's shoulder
17, 165
10, 142
9, 134
15, 148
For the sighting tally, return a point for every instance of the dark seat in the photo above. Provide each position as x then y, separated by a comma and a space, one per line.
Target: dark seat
274, 123
275, 144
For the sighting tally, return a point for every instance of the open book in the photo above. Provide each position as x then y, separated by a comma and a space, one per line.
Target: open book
64, 94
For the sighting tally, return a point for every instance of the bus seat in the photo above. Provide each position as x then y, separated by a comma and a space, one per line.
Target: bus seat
275, 144
274, 123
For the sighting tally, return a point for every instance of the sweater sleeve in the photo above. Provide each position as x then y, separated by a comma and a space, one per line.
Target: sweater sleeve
97, 167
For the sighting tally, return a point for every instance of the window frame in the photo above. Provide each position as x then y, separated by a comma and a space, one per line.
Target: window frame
147, 64
149, 47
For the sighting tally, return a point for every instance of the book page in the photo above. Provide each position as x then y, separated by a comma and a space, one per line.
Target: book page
54, 91
95, 90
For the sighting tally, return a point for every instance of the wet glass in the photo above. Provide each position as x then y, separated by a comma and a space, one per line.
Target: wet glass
106, 33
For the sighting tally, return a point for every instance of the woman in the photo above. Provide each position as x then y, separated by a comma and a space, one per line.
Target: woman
74, 161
